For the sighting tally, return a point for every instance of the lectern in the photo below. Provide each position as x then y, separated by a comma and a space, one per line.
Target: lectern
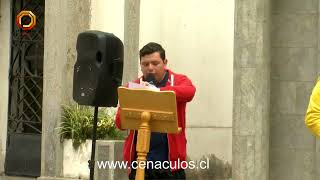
147, 111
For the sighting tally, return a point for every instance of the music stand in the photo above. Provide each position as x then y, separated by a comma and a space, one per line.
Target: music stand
147, 111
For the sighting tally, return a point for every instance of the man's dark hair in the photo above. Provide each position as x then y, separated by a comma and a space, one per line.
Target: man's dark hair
152, 47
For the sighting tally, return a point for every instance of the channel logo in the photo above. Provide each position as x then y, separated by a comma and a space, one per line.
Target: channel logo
23, 24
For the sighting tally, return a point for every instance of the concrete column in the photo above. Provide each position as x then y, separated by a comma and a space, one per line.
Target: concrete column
5, 28
63, 21
131, 40
251, 90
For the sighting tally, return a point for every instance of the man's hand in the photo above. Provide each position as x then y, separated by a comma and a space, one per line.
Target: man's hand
145, 83
149, 86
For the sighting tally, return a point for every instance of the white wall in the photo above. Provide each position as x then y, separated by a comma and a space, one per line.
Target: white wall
198, 38
4, 73
108, 16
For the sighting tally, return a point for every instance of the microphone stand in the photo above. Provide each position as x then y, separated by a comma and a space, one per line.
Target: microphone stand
91, 162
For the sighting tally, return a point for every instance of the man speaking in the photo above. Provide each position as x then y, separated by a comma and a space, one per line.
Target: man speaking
170, 148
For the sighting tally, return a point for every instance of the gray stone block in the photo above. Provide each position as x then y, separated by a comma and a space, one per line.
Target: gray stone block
289, 97
109, 151
252, 118
102, 155
283, 97
291, 164
261, 113
244, 165
294, 6
317, 158
248, 56
294, 30
236, 100
261, 158
318, 71
118, 156
239, 147
246, 123
303, 90
249, 161
245, 34
281, 164
294, 64
289, 131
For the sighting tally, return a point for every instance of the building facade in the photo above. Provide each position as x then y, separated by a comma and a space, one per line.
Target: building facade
254, 64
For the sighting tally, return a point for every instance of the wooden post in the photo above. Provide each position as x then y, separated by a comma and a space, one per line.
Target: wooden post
143, 143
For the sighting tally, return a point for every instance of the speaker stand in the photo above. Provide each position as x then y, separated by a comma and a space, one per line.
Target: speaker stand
93, 148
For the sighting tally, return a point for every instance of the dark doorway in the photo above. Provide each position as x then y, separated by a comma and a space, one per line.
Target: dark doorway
23, 154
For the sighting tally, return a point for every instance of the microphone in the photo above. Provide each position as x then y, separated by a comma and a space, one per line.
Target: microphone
151, 79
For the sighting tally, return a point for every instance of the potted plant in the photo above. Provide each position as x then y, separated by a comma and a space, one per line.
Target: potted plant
76, 131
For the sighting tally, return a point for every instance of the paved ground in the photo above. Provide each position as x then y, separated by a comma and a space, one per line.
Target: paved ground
2, 177
15, 178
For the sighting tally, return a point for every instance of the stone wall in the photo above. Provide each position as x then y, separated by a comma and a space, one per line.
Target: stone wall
294, 70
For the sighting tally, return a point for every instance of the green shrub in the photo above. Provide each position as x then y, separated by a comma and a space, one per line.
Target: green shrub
77, 124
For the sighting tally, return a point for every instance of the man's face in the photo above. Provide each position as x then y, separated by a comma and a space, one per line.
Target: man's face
152, 63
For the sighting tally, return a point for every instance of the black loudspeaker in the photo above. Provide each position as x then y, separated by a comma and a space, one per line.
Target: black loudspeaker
98, 69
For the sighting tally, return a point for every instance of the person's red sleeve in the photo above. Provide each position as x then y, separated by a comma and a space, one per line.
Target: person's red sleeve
184, 89
118, 119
